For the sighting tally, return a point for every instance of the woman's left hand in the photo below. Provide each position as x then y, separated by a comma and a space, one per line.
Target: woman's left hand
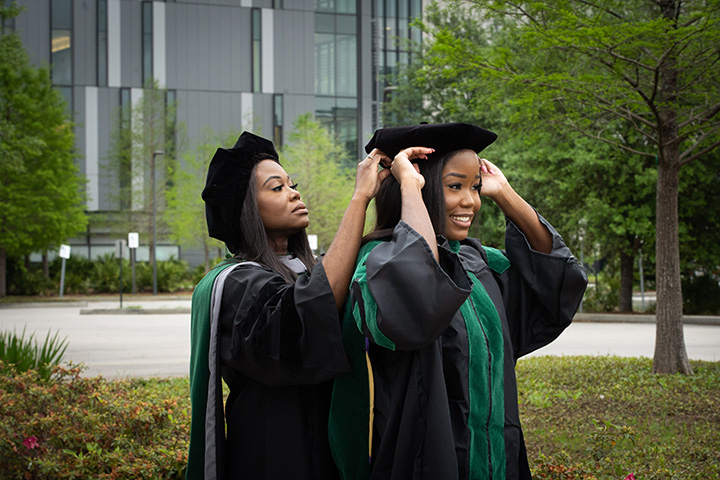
493, 180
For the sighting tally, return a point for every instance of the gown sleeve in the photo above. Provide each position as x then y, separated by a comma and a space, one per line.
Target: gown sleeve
401, 297
541, 292
279, 333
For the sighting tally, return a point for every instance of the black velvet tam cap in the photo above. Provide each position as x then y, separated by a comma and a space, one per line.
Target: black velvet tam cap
443, 137
227, 183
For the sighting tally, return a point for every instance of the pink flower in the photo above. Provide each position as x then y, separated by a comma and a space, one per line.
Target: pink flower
31, 442
630, 477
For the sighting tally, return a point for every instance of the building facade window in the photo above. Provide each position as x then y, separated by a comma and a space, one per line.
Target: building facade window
277, 119
392, 37
336, 6
147, 41
336, 68
61, 42
256, 29
102, 43
8, 25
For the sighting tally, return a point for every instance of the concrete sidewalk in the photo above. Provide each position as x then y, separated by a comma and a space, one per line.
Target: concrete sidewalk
151, 336
180, 304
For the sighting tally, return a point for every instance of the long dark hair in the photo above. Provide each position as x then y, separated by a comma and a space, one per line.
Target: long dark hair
388, 202
253, 243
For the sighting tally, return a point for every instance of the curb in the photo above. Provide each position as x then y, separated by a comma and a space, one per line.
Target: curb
43, 304
641, 318
135, 311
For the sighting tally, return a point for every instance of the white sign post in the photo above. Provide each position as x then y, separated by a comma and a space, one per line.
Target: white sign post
312, 239
133, 243
119, 246
64, 254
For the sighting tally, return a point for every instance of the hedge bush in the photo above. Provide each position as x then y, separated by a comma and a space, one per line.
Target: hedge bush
701, 295
74, 427
23, 281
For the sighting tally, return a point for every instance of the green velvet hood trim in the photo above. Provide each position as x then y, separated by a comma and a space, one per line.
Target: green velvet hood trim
199, 369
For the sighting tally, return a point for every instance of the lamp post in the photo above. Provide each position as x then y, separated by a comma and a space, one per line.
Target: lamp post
154, 233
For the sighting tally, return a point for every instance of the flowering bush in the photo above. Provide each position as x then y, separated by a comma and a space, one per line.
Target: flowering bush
76, 427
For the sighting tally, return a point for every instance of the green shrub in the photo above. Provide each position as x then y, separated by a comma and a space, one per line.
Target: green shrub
82, 428
602, 297
23, 281
172, 275
78, 272
105, 275
199, 272
22, 354
701, 295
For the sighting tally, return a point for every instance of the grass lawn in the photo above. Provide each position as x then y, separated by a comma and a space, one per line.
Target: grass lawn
583, 417
608, 417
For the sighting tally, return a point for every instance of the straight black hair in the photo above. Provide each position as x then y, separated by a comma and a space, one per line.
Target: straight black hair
253, 243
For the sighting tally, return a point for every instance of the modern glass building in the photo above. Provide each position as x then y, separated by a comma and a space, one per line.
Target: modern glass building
226, 64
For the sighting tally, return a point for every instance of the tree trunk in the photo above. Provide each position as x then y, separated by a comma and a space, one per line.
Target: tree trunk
670, 354
626, 282
3, 273
45, 265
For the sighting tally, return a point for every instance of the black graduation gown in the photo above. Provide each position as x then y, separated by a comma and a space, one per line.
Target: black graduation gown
419, 346
280, 345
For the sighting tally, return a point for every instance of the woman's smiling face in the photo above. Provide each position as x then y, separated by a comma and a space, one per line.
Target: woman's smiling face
461, 187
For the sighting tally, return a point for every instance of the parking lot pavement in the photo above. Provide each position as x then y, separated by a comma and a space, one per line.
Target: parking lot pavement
120, 343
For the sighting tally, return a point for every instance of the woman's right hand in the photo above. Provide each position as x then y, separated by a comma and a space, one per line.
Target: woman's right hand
368, 179
404, 170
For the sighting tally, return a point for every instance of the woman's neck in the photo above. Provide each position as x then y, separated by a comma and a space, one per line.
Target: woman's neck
279, 245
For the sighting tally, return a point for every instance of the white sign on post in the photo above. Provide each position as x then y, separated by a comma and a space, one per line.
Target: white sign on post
312, 239
64, 251
133, 240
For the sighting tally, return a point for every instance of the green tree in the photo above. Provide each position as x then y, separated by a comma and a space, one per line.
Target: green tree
314, 160
40, 189
544, 162
603, 69
144, 148
185, 213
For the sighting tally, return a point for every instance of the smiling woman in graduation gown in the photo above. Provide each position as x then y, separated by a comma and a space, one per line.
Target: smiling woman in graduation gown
433, 343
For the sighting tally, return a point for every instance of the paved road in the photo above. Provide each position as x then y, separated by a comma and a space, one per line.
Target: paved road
113, 345
122, 344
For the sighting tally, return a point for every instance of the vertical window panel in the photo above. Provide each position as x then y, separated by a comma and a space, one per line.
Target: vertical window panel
278, 118
61, 42
324, 64
256, 50
102, 45
346, 65
147, 41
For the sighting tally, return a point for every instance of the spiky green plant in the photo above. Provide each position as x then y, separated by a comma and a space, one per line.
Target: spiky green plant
23, 354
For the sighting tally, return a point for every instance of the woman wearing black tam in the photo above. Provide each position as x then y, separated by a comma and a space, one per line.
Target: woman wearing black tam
266, 321
434, 328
